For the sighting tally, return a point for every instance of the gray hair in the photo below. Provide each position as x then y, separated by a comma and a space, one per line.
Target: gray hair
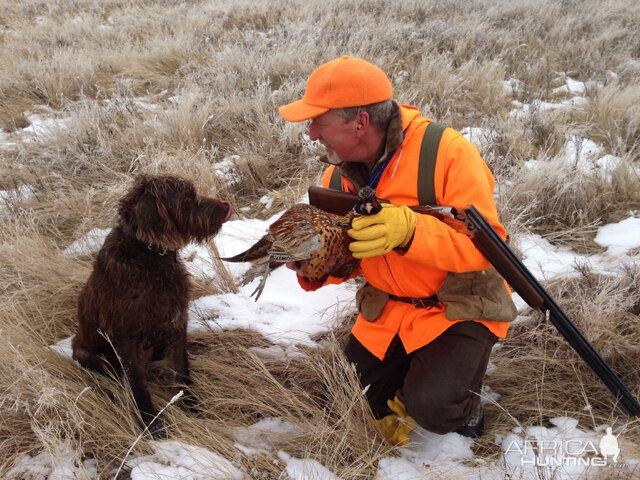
379, 113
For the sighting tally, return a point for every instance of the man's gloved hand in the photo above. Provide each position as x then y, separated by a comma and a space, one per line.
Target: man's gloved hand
378, 234
396, 426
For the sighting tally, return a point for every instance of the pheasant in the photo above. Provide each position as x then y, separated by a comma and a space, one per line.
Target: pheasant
316, 239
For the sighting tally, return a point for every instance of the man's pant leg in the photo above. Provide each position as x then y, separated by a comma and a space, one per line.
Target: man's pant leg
444, 377
383, 377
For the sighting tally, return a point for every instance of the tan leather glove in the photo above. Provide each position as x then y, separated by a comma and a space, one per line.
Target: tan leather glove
396, 426
378, 234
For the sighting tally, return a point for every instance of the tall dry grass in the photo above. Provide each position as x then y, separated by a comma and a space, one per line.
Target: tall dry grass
193, 88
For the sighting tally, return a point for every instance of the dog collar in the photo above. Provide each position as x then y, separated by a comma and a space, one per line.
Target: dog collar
159, 249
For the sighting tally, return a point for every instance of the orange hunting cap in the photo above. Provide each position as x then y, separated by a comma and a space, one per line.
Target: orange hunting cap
340, 83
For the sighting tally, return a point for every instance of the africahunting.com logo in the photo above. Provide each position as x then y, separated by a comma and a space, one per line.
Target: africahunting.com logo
541, 452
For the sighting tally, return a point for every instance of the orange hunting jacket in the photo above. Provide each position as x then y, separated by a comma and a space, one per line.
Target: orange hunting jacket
461, 179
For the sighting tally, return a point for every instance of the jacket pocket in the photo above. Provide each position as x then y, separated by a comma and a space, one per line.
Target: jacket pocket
480, 295
370, 301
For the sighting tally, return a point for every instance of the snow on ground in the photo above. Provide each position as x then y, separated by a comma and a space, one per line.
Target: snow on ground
277, 313
42, 125
563, 452
9, 197
173, 459
89, 244
571, 87
57, 463
621, 237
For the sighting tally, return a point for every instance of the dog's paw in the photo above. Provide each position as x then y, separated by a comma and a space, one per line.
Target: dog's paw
191, 403
158, 430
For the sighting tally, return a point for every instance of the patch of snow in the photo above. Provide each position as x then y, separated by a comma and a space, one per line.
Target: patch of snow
571, 86
227, 169
264, 435
89, 244
56, 464
620, 237
581, 152
43, 125
481, 137
63, 347
305, 468
512, 86
21, 194
174, 459
267, 201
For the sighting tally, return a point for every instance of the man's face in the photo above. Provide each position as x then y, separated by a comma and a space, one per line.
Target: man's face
338, 137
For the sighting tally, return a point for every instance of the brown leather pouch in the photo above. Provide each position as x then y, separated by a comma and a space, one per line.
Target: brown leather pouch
370, 301
480, 295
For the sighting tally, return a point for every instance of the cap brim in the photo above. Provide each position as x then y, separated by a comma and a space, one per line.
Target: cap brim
299, 111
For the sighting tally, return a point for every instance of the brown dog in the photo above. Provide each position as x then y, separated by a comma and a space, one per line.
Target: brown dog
138, 292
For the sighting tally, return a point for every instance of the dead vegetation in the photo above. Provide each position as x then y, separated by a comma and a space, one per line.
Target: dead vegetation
193, 88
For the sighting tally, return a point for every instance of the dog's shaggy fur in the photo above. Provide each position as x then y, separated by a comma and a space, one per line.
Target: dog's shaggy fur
133, 308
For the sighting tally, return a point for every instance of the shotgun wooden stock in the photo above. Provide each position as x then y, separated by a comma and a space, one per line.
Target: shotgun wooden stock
472, 223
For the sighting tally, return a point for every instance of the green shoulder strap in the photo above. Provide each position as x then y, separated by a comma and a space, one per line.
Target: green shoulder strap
335, 183
427, 164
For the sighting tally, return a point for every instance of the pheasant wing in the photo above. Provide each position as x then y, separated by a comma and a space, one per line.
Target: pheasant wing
257, 253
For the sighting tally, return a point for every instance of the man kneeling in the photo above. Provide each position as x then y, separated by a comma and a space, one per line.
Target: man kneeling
431, 307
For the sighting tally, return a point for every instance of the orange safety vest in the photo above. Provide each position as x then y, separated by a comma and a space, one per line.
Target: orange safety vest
461, 178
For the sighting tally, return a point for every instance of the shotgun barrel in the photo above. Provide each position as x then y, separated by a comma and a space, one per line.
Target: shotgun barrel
491, 245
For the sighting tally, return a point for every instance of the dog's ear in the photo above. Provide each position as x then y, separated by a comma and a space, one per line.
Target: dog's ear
137, 210
143, 213
128, 203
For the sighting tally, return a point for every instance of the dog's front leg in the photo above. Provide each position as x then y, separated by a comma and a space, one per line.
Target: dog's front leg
132, 357
180, 360
181, 367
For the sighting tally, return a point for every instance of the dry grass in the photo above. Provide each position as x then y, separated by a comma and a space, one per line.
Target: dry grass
566, 203
606, 310
193, 88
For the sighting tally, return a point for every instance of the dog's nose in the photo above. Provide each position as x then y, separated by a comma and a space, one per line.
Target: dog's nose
229, 208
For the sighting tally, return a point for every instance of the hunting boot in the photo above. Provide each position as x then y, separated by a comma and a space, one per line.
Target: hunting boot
474, 427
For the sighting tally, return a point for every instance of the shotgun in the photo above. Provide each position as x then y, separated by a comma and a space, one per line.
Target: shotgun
471, 222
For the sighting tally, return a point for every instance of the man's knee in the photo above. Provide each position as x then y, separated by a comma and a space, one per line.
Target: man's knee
440, 414
441, 388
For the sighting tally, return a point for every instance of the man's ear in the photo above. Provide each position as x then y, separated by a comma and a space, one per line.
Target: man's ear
362, 123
